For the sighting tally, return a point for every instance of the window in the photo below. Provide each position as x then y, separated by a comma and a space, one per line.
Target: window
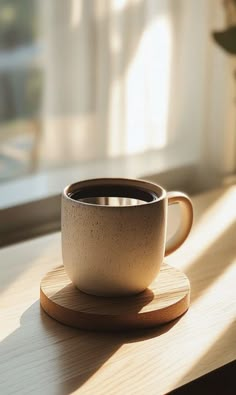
120, 87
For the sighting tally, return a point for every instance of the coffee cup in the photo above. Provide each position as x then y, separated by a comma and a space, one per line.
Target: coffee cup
114, 233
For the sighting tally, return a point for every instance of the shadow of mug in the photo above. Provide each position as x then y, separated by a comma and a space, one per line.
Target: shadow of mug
72, 307
43, 356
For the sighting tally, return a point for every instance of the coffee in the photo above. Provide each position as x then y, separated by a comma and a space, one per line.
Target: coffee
113, 195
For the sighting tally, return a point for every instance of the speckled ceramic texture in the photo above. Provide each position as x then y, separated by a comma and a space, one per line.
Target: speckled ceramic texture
113, 250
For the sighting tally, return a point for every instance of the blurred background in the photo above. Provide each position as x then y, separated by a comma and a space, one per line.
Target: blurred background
83, 80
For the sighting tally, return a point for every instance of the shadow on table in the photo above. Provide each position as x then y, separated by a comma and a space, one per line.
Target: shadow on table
214, 261
219, 381
44, 356
104, 312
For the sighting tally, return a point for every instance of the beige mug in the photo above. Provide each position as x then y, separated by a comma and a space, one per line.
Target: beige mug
114, 233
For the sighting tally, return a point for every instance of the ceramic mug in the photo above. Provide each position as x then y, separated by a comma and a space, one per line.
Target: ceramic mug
114, 233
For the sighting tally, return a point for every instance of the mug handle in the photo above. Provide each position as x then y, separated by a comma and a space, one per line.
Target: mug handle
187, 220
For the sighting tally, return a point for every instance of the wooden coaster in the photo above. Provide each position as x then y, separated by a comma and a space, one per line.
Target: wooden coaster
166, 299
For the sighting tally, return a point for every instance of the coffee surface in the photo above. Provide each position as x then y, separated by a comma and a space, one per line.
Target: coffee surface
113, 195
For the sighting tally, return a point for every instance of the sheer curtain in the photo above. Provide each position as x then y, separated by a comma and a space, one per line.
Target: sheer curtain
129, 76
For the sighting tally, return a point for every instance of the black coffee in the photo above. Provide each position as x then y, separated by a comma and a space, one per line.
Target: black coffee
113, 195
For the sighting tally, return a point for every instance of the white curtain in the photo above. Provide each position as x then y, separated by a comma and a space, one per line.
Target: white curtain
127, 76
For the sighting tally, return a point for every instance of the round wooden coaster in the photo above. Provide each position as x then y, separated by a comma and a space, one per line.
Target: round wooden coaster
166, 299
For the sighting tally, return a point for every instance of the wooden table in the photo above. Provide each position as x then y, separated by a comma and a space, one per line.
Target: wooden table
41, 356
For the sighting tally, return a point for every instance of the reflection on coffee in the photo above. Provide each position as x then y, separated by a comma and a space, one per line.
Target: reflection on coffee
113, 195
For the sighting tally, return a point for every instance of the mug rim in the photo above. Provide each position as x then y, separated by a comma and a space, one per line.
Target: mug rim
157, 189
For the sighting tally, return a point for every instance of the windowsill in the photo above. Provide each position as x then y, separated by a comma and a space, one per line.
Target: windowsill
46, 184
31, 206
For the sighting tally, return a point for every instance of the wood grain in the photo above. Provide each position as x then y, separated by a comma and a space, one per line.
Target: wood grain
38, 355
165, 300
